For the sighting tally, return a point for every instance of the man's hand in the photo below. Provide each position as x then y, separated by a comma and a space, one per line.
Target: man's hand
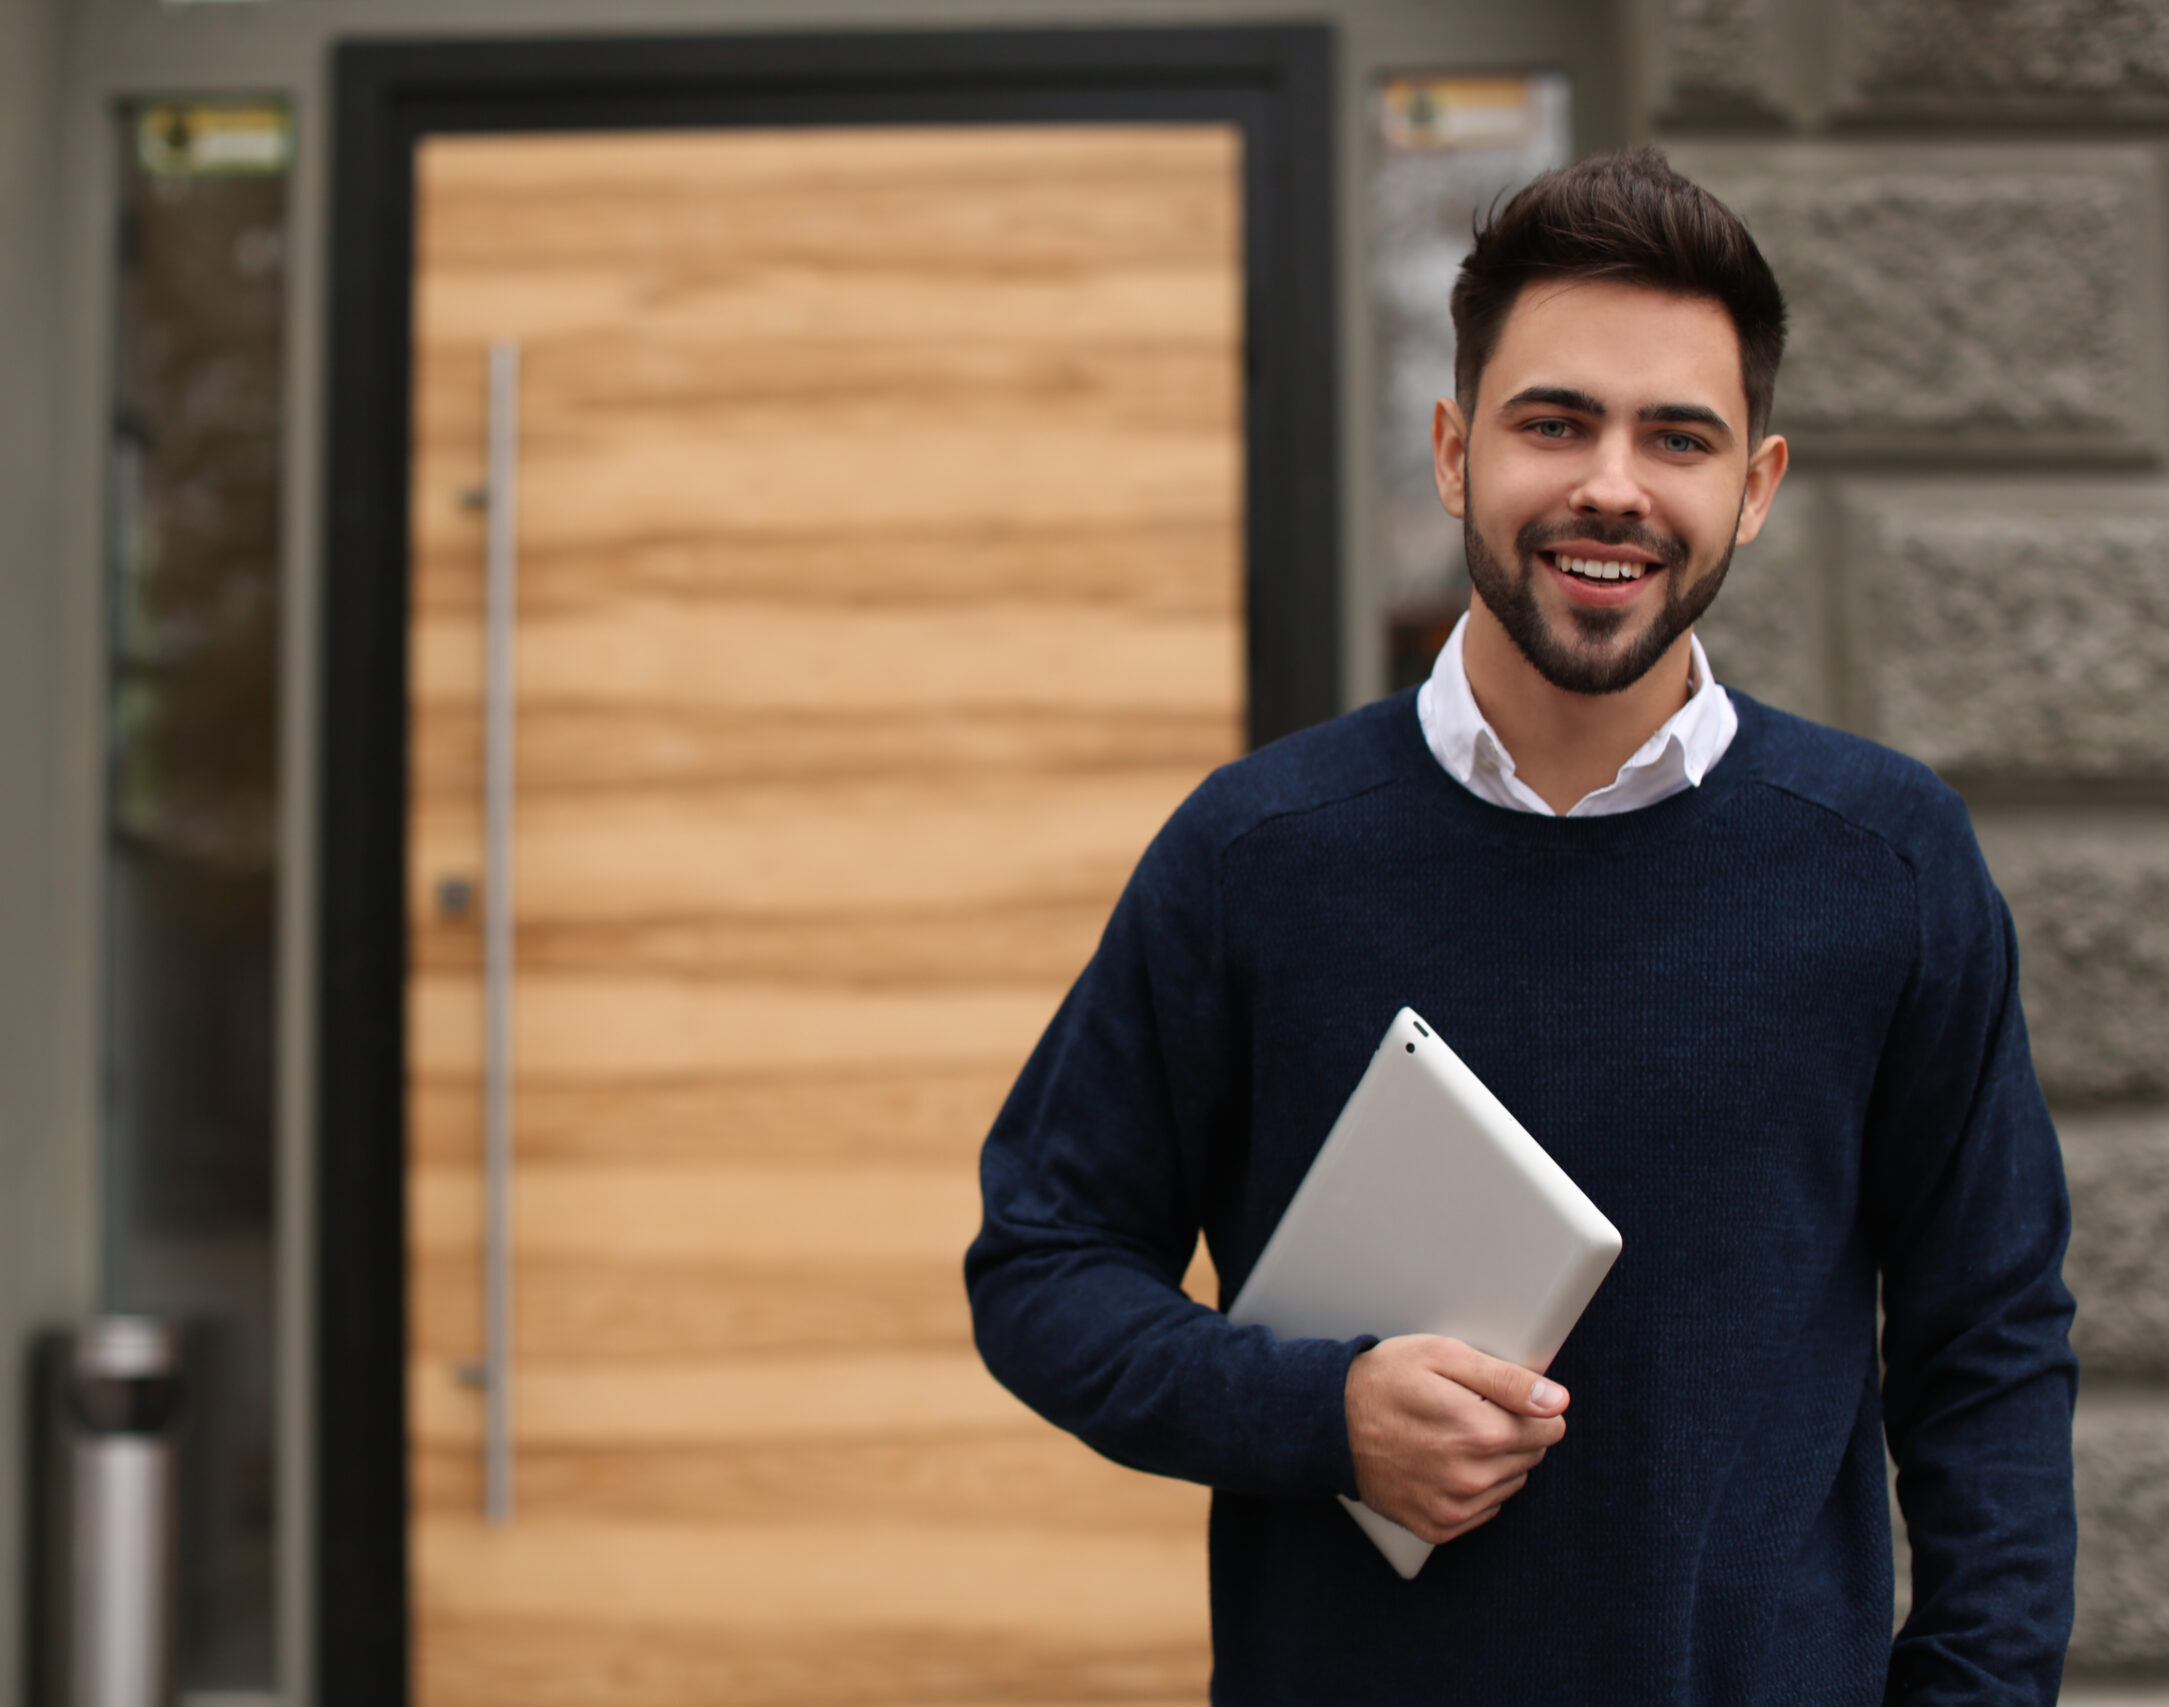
1443, 1435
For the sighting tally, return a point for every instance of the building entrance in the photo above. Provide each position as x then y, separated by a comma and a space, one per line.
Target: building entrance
827, 558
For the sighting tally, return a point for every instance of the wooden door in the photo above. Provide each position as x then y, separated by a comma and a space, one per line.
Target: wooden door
881, 592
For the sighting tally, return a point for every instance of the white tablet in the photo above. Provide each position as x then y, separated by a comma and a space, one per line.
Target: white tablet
1430, 1210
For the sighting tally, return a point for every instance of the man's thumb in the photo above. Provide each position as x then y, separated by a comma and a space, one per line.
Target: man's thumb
1520, 1390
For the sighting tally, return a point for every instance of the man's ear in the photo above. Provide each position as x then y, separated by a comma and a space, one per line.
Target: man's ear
1450, 456
1765, 469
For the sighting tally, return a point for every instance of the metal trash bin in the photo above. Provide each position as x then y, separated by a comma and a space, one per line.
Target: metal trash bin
115, 1396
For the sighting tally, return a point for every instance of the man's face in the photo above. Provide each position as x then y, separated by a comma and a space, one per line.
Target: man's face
1604, 476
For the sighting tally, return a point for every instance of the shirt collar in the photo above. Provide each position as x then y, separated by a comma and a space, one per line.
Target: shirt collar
1677, 755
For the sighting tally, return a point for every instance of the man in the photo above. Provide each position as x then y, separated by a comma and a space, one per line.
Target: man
1745, 978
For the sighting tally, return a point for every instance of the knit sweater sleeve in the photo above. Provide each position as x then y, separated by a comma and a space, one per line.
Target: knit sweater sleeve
1094, 1180
1969, 1211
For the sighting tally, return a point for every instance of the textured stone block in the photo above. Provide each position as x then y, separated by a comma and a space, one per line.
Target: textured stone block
2079, 56
1947, 302
2118, 1268
1719, 60
2090, 894
2122, 1463
2013, 631
1768, 631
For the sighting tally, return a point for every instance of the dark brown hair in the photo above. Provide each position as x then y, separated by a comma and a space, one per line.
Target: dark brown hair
1631, 218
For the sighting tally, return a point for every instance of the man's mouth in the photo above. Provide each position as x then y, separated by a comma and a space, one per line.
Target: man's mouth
1597, 569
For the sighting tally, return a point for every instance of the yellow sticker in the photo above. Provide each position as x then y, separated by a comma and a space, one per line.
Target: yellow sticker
187, 139
1455, 112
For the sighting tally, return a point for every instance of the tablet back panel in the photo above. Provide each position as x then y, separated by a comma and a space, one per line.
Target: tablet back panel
1430, 1210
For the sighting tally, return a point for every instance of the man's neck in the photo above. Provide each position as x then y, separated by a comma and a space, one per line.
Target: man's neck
1566, 745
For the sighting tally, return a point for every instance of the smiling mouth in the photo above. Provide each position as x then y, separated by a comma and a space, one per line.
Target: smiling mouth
1591, 569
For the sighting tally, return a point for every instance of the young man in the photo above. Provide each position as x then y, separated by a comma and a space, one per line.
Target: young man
1745, 978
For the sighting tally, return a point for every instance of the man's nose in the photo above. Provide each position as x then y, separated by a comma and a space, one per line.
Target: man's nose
1609, 484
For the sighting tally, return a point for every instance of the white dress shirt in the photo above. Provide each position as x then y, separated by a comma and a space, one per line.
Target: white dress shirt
1679, 755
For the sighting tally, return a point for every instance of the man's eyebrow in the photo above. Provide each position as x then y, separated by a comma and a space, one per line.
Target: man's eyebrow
1685, 414
1559, 397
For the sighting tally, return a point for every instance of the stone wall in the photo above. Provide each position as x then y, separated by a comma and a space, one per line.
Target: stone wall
1963, 199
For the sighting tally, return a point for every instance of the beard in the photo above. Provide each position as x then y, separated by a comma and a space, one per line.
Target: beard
1588, 657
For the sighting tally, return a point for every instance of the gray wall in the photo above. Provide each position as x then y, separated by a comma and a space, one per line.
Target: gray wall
1971, 562
40, 1149
62, 65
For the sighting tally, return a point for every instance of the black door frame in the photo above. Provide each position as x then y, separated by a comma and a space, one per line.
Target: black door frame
1275, 83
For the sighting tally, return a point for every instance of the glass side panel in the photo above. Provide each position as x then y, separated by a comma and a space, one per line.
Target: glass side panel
1447, 147
191, 814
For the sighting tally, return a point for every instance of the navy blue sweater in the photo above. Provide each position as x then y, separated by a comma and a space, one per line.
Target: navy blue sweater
1771, 1026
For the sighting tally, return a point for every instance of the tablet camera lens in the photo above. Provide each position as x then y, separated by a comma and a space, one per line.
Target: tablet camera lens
1412, 1049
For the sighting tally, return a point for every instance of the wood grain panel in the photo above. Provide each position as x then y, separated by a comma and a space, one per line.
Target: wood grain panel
587, 493
813, 851
1142, 1587
1004, 1477
849, 1114
1194, 566
863, 1394
997, 944
1079, 197
881, 594
1119, 304
786, 656
585, 748
694, 1306
1164, 386
649, 1213
626, 1026
573, 1662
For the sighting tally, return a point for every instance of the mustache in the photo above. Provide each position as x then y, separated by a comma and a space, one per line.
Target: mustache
1542, 536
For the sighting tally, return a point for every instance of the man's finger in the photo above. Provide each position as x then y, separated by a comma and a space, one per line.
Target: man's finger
1517, 1463
1456, 1531
1520, 1390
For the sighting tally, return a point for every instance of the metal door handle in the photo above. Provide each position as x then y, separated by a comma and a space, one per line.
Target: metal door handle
498, 729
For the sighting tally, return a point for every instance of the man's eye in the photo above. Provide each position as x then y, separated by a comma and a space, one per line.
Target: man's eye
1681, 444
1550, 429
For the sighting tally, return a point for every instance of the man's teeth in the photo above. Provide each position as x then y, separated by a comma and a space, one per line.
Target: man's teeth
1591, 569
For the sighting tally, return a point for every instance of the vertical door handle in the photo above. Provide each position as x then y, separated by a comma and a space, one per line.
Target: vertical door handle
498, 732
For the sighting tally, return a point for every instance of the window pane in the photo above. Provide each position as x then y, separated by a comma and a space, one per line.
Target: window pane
191, 855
